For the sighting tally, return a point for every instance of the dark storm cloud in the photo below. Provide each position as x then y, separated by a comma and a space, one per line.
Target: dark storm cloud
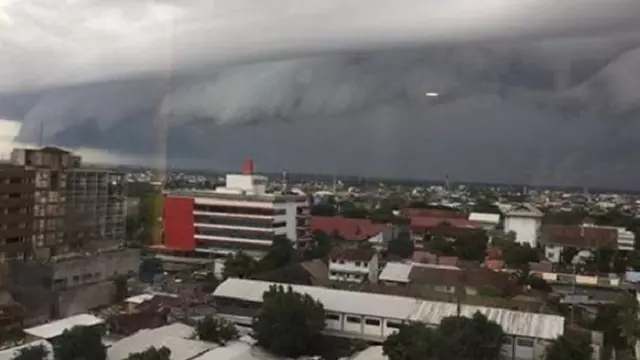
533, 107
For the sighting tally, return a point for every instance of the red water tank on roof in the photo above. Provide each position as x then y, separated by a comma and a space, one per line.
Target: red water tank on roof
247, 167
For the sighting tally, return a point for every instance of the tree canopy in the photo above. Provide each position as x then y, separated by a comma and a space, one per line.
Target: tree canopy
455, 338
401, 246
80, 343
569, 348
38, 352
289, 323
152, 353
239, 265
216, 330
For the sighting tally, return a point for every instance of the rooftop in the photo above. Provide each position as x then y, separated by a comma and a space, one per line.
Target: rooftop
56, 328
524, 210
267, 197
347, 228
175, 337
352, 254
9, 354
513, 322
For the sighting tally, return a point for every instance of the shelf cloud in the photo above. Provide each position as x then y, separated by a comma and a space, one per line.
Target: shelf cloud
303, 74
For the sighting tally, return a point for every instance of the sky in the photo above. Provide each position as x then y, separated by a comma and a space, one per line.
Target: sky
533, 91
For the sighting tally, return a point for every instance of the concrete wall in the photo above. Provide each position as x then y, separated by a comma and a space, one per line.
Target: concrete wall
80, 299
95, 268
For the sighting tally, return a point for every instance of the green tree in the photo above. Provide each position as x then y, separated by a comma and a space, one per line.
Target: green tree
38, 352
455, 338
413, 342
475, 338
80, 343
568, 254
279, 254
517, 255
472, 247
440, 246
628, 319
321, 246
216, 330
401, 246
569, 348
239, 265
289, 323
151, 353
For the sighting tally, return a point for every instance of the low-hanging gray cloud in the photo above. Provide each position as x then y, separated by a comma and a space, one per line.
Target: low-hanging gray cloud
535, 91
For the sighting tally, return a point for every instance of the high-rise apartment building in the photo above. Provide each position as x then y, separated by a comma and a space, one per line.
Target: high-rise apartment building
55, 205
16, 211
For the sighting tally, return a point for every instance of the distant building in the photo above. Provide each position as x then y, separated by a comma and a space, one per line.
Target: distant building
525, 221
353, 265
487, 220
240, 216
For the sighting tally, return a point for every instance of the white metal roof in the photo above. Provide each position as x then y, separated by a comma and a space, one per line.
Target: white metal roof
352, 302
139, 299
172, 336
371, 353
485, 217
237, 350
56, 328
519, 323
396, 271
9, 354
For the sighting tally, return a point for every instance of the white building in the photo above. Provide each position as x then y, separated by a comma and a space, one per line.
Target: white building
354, 265
373, 317
626, 239
239, 216
488, 221
525, 221
55, 328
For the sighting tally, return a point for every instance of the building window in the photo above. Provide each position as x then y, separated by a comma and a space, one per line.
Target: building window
372, 322
365, 264
333, 317
525, 342
393, 324
353, 319
76, 278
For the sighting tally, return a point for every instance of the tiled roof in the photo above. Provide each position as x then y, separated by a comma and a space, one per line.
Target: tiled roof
436, 222
587, 237
422, 275
347, 228
352, 254
434, 213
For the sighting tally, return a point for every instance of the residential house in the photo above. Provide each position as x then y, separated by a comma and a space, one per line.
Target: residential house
584, 238
450, 228
445, 278
353, 265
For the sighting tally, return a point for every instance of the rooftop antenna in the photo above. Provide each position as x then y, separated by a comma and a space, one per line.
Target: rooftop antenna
285, 182
41, 134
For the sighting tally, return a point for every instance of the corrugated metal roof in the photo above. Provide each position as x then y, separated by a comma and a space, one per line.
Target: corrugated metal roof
352, 302
519, 323
395, 271
55, 328
172, 336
